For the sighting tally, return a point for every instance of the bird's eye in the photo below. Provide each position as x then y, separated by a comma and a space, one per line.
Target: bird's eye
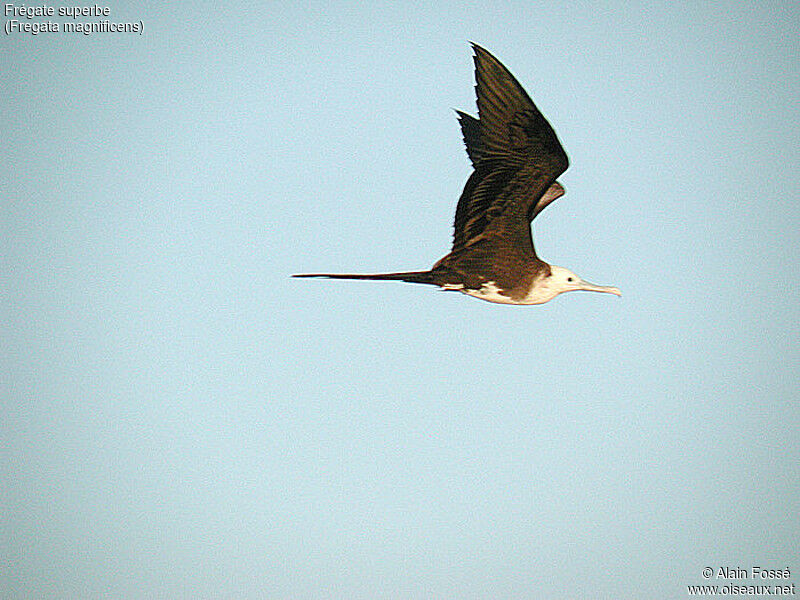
569, 278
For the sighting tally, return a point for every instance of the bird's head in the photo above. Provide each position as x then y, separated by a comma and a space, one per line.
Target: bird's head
563, 280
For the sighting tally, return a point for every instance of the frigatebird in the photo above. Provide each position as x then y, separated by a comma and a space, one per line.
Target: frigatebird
516, 158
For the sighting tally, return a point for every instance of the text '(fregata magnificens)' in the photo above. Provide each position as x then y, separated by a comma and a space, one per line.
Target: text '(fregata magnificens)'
516, 158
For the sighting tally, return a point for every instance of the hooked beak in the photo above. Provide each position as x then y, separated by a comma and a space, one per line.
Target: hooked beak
591, 287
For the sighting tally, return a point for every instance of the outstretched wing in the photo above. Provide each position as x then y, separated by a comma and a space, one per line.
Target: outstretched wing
514, 150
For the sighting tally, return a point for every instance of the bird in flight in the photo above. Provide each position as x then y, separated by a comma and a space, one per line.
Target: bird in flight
516, 158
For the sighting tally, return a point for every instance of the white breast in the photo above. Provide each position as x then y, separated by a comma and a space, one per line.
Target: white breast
539, 293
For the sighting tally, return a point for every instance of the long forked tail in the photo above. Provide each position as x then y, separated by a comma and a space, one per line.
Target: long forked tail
408, 276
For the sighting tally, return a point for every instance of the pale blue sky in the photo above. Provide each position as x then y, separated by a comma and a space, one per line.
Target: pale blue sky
182, 419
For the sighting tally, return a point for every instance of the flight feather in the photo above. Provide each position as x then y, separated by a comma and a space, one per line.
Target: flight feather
515, 153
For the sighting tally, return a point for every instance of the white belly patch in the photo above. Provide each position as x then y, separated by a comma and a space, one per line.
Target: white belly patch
491, 293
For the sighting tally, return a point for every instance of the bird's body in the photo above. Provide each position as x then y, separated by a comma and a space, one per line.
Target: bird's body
516, 158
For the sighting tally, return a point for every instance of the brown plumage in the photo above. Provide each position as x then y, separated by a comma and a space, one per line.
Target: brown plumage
516, 158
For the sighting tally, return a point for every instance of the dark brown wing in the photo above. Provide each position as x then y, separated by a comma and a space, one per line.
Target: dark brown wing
471, 130
554, 192
514, 150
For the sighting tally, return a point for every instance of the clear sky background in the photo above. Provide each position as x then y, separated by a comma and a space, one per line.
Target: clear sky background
180, 418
